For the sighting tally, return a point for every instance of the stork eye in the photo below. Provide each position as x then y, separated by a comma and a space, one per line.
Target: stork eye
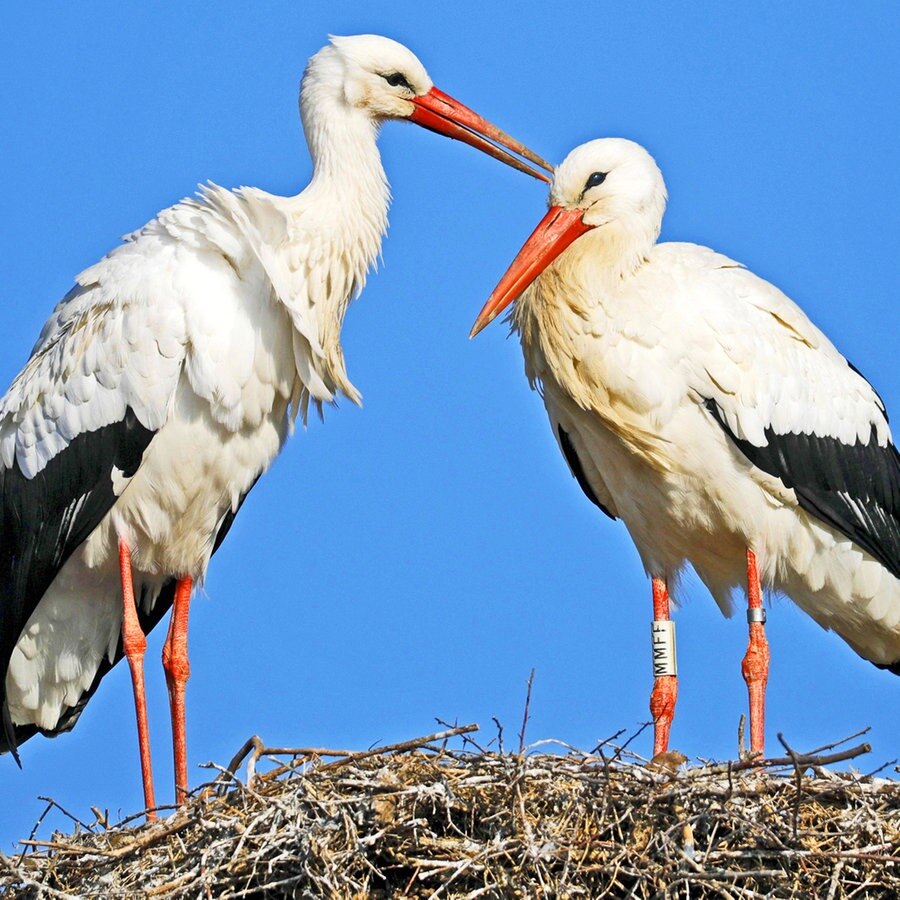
595, 179
395, 79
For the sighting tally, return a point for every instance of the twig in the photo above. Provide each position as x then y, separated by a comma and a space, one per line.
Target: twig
496, 721
833, 884
804, 760
66, 813
34, 830
634, 737
253, 743
881, 768
798, 780
168, 807
845, 740
102, 816
465, 738
145, 839
609, 740
525, 715
345, 756
414, 744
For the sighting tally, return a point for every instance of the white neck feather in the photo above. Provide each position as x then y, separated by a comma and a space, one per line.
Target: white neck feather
608, 254
348, 200
586, 275
334, 232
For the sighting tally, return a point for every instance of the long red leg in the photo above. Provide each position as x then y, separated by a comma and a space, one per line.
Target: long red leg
178, 670
134, 645
755, 666
665, 669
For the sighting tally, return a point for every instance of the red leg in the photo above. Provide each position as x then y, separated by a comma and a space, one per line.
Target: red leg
178, 670
134, 645
665, 669
755, 666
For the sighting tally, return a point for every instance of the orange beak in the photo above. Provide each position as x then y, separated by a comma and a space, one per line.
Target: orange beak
440, 113
559, 228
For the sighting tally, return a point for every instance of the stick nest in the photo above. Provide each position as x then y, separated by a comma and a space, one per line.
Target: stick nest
422, 820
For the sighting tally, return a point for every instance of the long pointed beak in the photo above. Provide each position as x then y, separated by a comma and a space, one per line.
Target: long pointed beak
440, 113
559, 228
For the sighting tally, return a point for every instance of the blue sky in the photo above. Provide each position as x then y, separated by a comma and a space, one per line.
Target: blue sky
416, 558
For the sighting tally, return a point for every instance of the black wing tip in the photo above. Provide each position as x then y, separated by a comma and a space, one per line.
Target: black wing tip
893, 668
572, 458
12, 736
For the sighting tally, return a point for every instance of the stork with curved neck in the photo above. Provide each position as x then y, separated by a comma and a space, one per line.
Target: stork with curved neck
165, 382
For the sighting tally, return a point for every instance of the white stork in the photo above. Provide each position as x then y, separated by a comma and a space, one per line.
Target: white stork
166, 382
697, 403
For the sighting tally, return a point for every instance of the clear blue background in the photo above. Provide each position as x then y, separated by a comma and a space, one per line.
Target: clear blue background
417, 557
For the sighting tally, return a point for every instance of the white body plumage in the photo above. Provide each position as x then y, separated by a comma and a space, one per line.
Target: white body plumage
699, 403
214, 336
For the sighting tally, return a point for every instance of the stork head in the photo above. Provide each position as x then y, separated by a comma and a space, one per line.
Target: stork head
611, 185
610, 180
385, 80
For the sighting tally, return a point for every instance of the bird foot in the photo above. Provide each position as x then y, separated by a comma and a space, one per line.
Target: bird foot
662, 708
178, 670
134, 646
755, 669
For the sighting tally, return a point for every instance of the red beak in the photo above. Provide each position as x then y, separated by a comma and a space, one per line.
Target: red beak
559, 228
440, 113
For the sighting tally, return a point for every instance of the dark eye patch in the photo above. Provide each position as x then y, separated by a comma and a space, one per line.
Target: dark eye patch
396, 79
595, 179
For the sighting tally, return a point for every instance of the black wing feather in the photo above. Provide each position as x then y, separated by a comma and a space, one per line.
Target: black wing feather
854, 488
571, 455
45, 518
